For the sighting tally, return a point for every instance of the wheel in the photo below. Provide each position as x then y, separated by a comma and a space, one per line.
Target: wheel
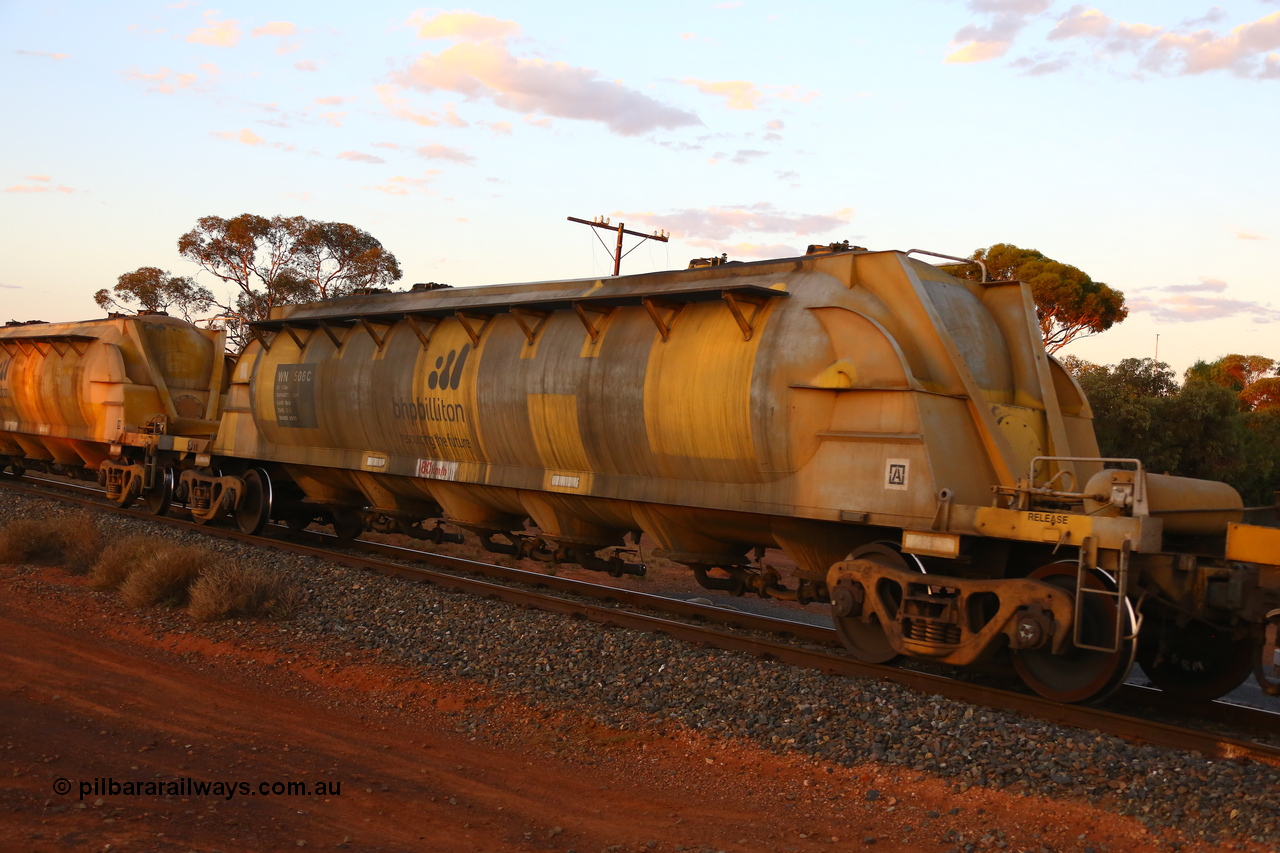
1081, 675
347, 524
1197, 662
159, 497
255, 504
297, 522
866, 640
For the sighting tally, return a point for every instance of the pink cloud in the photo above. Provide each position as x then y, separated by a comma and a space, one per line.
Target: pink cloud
306, 65
499, 128
722, 223
244, 136
404, 185
166, 81
975, 43
56, 57
38, 188
1248, 50
436, 151
738, 94
743, 95
463, 26
275, 28
487, 70
360, 157
215, 33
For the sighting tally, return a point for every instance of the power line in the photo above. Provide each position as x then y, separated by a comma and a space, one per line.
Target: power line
617, 254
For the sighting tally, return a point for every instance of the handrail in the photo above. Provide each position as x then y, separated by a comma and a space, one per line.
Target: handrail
952, 258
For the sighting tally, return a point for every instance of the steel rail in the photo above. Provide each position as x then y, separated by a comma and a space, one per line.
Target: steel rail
1085, 717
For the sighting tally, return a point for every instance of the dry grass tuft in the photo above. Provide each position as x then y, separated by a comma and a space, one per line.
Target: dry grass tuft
120, 558
229, 590
166, 576
70, 541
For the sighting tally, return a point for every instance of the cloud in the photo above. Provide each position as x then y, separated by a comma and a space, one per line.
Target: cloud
976, 43
743, 95
463, 26
688, 36
1080, 21
1250, 235
43, 185
400, 108
334, 118
394, 146
776, 124
436, 151
215, 33
245, 136
333, 100
10, 286
403, 185
1186, 49
741, 157
747, 249
739, 94
275, 28
1213, 285
56, 57
479, 65
166, 81
1192, 308
498, 128
306, 65
360, 157
722, 223
1041, 64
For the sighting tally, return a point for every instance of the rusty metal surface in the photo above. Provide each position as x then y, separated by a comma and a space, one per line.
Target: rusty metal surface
716, 410
70, 390
1127, 727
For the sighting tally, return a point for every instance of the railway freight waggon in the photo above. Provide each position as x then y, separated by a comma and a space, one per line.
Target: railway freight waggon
899, 434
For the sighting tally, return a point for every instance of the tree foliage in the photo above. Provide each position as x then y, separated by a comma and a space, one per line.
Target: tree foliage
1198, 429
1246, 376
283, 260
154, 289
1069, 304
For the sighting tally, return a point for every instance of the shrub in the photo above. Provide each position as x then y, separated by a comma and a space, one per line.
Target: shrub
166, 576
230, 590
120, 558
70, 541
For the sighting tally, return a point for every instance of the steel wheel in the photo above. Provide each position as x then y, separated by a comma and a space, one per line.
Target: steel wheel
255, 504
866, 640
1080, 675
160, 496
347, 524
1196, 661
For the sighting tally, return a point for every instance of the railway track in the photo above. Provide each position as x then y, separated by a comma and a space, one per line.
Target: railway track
791, 642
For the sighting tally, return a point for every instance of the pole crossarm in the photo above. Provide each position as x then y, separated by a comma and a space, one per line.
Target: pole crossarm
620, 229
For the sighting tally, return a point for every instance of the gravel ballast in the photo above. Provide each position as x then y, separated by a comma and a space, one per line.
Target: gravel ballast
628, 680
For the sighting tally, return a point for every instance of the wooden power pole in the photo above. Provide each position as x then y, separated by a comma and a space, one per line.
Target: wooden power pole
617, 254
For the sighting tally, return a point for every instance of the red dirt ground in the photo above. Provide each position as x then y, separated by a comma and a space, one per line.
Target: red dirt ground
88, 690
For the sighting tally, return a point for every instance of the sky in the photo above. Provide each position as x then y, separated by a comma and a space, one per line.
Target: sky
1135, 140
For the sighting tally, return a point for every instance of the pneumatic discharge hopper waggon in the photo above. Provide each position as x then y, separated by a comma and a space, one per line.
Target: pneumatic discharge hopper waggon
901, 435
